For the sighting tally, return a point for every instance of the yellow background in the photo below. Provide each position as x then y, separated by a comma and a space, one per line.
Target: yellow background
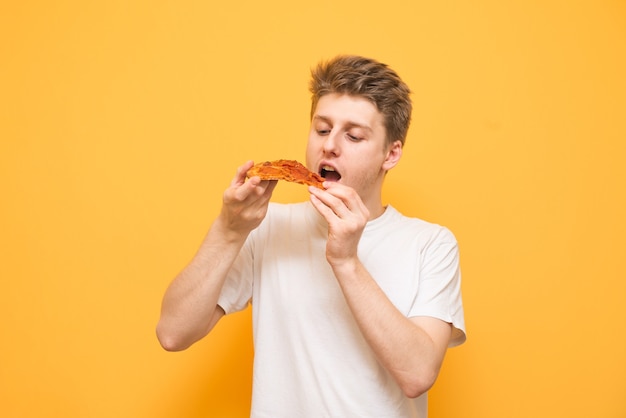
121, 122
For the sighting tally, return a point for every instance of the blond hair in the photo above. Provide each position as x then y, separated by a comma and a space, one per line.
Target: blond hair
365, 77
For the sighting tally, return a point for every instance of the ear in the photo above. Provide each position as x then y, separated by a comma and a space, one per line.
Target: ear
394, 152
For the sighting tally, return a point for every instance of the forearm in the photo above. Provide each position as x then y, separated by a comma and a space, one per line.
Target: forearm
188, 310
406, 350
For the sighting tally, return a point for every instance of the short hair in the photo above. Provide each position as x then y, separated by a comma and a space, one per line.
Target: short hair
365, 77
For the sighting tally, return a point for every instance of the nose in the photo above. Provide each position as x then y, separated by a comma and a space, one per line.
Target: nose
331, 142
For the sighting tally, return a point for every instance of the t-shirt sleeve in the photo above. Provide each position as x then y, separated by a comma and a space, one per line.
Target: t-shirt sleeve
439, 292
236, 293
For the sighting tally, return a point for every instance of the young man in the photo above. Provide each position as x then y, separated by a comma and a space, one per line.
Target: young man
354, 304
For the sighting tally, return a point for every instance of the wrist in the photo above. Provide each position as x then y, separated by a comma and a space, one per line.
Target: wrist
228, 235
345, 267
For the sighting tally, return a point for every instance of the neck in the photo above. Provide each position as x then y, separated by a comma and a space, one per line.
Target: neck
374, 205
376, 212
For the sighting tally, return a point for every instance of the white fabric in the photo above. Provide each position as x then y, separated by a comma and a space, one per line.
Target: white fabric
310, 357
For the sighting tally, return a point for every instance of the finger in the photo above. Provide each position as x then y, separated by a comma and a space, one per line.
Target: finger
342, 192
271, 186
240, 176
349, 197
251, 189
256, 190
239, 192
323, 209
336, 201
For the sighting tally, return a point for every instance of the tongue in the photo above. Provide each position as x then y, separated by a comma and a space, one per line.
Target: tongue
331, 176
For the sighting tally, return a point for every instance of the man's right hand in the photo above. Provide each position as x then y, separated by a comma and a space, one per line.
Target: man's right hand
245, 203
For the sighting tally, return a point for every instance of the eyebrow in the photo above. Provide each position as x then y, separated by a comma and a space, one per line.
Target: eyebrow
350, 124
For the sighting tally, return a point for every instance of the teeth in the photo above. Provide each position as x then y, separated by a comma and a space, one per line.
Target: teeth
325, 169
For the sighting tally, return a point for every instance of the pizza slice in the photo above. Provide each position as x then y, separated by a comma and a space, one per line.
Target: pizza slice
289, 170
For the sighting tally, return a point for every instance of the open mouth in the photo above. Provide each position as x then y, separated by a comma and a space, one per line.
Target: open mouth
329, 173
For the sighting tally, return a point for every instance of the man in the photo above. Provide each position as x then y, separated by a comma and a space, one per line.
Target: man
354, 304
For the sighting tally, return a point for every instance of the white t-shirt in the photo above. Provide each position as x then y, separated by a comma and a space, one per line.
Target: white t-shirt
310, 357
